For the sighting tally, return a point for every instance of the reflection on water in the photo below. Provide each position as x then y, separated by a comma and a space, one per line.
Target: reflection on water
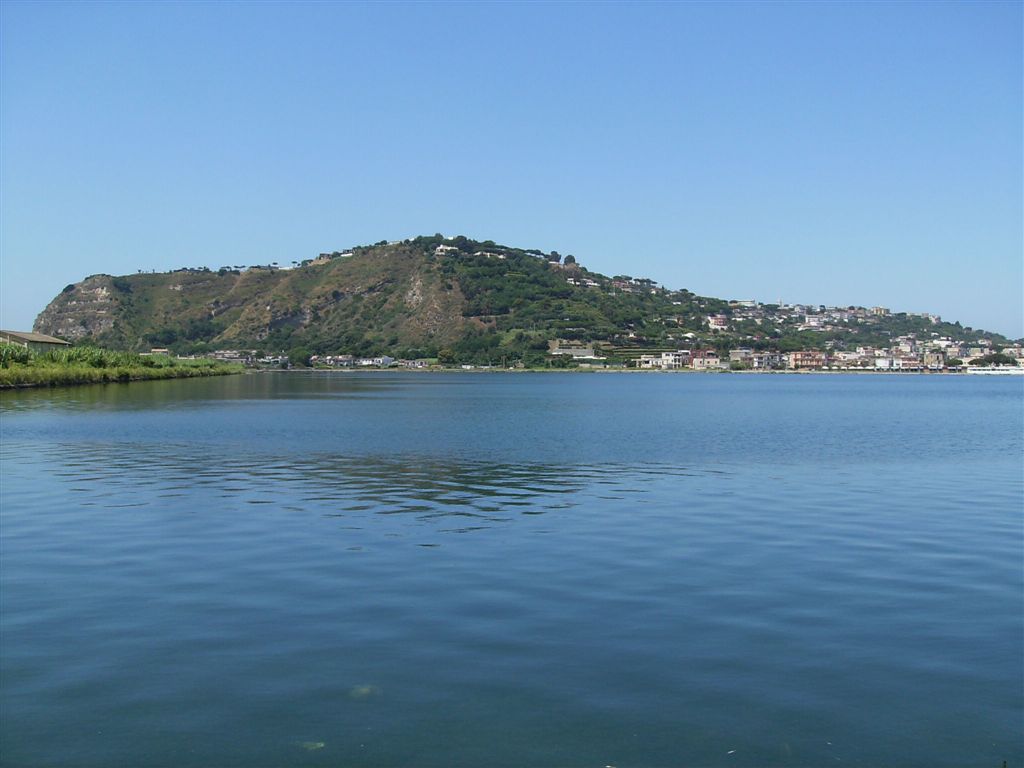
251, 386
425, 487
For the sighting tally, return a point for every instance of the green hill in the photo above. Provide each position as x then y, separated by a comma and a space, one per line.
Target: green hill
465, 300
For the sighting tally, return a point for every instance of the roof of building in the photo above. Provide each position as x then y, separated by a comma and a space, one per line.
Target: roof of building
31, 336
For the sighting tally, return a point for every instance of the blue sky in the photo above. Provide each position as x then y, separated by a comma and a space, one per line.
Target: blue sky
837, 153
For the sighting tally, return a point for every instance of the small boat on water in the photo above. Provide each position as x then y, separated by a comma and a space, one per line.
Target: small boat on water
996, 370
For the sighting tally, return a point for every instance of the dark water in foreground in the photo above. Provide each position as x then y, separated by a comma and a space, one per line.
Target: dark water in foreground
513, 570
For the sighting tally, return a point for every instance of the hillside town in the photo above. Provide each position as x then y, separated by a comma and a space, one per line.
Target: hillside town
907, 354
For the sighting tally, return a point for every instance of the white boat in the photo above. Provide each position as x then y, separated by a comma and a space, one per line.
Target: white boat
995, 370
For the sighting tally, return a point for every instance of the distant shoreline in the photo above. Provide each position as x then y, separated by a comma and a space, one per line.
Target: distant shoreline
73, 378
685, 372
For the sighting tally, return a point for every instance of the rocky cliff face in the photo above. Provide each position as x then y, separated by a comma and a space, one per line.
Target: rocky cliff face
376, 299
87, 309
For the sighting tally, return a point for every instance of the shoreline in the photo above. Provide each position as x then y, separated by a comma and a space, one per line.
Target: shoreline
11, 379
684, 372
77, 378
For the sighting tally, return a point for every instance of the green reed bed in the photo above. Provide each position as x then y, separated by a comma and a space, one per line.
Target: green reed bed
20, 367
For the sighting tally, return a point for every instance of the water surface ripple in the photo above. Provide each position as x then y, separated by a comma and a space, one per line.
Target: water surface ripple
565, 570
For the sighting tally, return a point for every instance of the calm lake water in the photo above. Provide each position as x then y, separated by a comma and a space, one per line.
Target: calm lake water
311, 569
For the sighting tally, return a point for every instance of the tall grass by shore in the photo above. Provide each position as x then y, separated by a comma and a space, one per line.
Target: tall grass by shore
20, 367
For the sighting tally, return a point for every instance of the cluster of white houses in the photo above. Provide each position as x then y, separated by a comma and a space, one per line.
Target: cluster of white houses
702, 360
351, 361
805, 317
907, 354
250, 358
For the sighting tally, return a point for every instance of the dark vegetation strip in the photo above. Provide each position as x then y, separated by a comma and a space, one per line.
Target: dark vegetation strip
20, 367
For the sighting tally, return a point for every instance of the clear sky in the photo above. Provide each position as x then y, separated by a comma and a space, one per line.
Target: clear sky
836, 153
